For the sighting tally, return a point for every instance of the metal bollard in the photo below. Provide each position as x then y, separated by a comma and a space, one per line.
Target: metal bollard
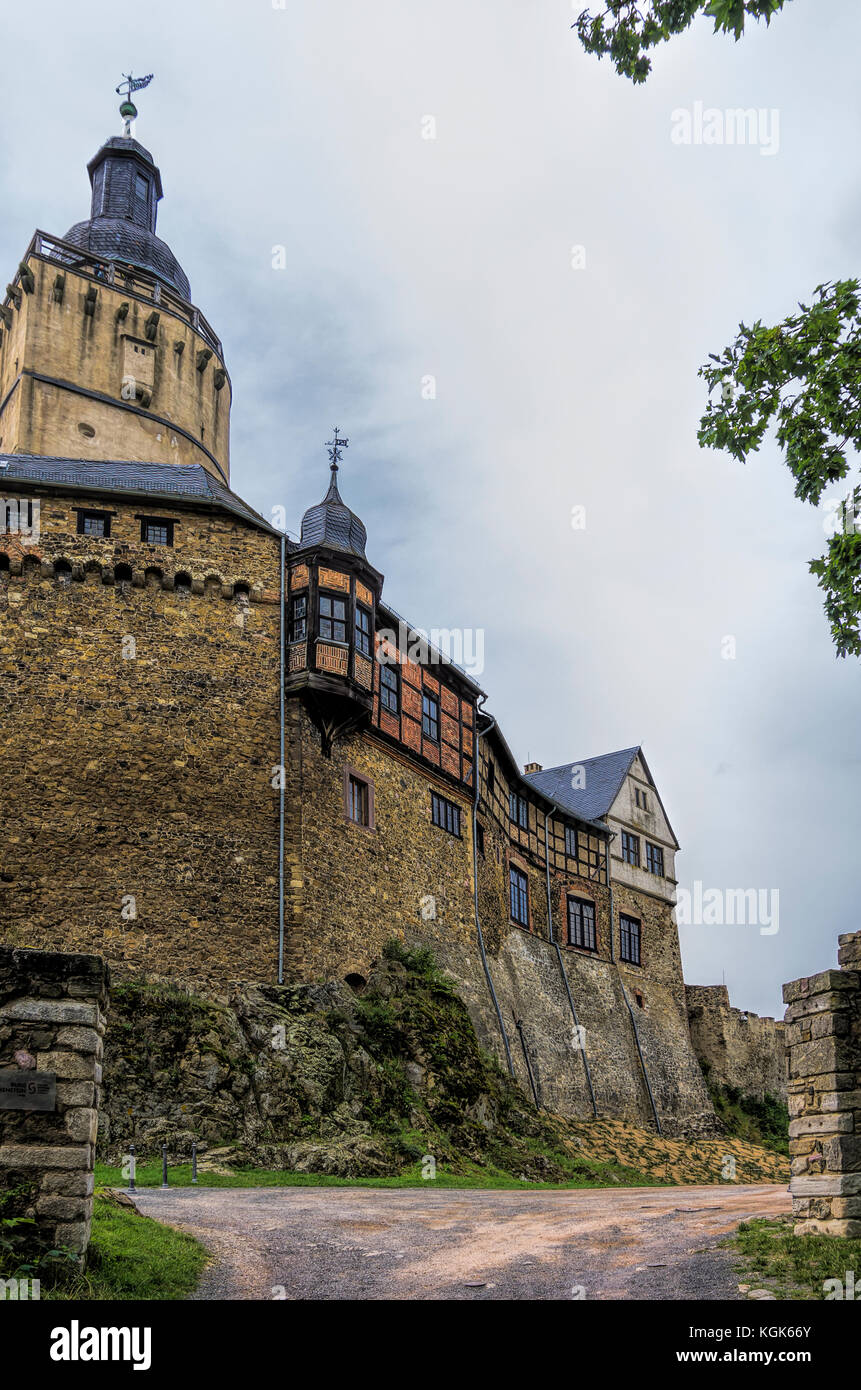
132, 1167
194, 1162
164, 1165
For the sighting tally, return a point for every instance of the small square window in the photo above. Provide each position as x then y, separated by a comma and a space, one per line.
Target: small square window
94, 524
155, 531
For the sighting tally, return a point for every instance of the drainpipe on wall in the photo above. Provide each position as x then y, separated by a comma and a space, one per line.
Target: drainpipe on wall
476, 766
581, 1037
626, 999
282, 779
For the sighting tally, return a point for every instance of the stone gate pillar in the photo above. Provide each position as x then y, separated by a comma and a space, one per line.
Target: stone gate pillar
52, 1023
823, 1038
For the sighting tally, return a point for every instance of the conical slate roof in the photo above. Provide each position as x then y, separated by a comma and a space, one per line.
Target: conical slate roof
332, 523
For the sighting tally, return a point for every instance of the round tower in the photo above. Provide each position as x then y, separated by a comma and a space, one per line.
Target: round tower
102, 353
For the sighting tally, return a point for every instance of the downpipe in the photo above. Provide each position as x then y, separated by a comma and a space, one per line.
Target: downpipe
282, 779
480, 934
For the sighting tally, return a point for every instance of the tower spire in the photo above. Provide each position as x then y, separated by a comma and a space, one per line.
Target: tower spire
128, 110
335, 446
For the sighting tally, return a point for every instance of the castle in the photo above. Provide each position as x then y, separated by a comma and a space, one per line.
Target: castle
223, 754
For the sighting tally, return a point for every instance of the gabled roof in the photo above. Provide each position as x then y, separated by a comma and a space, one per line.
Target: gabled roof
603, 780
168, 482
603, 777
489, 728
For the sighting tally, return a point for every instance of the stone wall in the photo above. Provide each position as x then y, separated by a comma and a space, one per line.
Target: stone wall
138, 731
351, 889
823, 1037
736, 1048
52, 1011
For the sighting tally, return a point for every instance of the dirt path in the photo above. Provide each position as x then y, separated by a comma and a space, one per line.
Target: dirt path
407, 1243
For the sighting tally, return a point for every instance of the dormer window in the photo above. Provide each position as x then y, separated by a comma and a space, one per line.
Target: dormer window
333, 618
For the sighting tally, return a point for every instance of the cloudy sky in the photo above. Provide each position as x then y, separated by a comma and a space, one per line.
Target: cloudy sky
305, 127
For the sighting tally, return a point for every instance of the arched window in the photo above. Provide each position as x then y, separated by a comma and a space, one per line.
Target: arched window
182, 583
153, 577
63, 572
123, 574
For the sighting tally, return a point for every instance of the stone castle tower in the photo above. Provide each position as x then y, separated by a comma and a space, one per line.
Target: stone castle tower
103, 354
224, 755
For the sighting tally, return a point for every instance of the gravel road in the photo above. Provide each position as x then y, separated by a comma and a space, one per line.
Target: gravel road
408, 1243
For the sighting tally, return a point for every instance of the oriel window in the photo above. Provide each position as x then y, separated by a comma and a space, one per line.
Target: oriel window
333, 618
299, 618
363, 631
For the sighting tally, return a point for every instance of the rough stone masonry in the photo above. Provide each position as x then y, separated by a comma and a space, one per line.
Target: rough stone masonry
823, 1038
52, 1023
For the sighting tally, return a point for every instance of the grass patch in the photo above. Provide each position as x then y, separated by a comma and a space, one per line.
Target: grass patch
790, 1266
133, 1257
475, 1176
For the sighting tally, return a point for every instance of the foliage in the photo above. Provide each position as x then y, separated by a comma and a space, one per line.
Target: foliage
134, 1257
793, 1266
627, 29
24, 1254
764, 1122
803, 376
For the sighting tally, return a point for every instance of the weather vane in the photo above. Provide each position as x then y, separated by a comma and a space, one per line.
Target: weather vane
335, 446
128, 110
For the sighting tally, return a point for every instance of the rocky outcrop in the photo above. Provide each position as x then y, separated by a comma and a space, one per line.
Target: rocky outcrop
737, 1050
317, 1078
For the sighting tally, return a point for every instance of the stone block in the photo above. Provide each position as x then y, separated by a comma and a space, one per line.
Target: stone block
80, 1040
838, 1123
69, 1184
49, 1011
45, 1156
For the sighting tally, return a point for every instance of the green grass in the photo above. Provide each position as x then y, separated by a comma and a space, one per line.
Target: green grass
149, 1175
134, 1257
790, 1266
